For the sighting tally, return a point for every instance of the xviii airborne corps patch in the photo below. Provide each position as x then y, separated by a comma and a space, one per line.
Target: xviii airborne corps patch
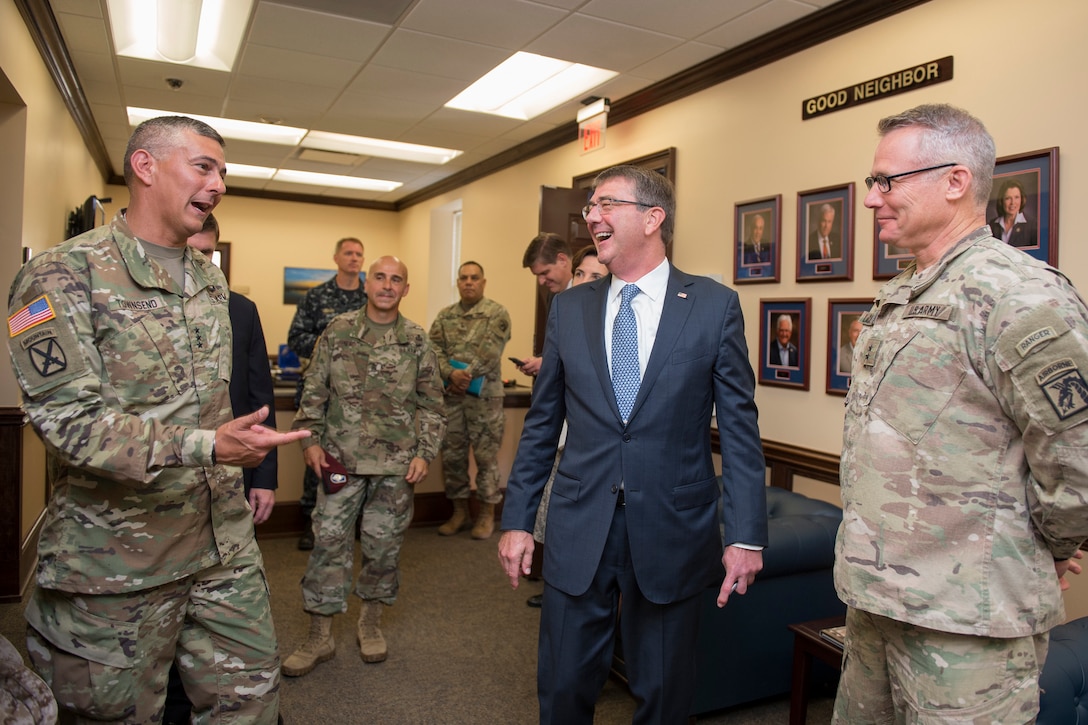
1064, 387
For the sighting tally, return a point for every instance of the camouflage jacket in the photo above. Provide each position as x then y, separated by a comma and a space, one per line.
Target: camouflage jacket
964, 468
124, 376
315, 312
477, 337
383, 401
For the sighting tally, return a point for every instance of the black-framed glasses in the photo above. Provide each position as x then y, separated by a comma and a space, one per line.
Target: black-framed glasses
884, 183
605, 205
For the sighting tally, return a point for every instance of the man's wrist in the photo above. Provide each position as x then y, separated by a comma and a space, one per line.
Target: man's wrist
214, 460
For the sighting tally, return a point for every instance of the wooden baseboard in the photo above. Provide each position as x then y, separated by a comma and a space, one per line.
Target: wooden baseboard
431, 509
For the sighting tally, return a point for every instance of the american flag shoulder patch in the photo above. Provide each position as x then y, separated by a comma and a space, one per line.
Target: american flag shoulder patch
38, 311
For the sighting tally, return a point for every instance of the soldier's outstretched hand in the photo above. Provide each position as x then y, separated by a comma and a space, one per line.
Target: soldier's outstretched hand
245, 442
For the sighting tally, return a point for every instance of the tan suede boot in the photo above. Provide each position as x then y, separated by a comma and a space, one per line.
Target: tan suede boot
319, 647
459, 521
485, 522
371, 642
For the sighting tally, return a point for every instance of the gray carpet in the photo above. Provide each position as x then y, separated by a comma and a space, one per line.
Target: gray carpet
462, 647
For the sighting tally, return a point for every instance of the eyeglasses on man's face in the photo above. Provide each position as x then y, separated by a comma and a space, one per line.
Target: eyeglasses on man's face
605, 205
884, 183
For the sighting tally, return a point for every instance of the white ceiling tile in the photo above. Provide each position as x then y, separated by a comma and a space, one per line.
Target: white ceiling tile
435, 55
505, 23
397, 110
95, 67
90, 8
291, 65
290, 28
383, 82
84, 33
105, 92
565, 4
682, 18
674, 61
578, 39
759, 21
281, 94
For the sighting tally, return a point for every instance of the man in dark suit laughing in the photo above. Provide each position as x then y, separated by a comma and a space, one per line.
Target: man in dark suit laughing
635, 362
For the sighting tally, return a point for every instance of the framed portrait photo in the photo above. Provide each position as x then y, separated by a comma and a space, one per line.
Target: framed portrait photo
888, 259
825, 233
1023, 208
757, 240
843, 328
784, 345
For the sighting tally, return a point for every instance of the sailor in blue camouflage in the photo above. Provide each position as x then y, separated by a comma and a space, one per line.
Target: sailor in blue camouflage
122, 348
373, 400
964, 474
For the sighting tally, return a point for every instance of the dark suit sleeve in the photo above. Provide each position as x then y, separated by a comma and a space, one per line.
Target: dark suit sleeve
251, 383
539, 436
744, 509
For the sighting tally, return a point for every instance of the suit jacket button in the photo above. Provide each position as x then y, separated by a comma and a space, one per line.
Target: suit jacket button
626, 437
615, 488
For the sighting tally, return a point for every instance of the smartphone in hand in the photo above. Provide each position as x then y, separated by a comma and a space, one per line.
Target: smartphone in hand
517, 362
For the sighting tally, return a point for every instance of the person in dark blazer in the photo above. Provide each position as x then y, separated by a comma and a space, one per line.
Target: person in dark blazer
250, 387
781, 352
822, 237
1010, 225
250, 381
634, 508
757, 250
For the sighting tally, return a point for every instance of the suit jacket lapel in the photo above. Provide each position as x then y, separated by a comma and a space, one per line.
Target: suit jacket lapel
674, 314
595, 333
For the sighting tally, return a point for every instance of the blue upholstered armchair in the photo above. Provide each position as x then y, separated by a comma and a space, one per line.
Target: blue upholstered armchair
745, 650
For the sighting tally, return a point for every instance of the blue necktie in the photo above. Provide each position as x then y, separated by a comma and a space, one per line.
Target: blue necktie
625, 369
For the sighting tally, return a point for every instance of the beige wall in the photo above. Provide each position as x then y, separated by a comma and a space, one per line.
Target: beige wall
47, 171
738, 141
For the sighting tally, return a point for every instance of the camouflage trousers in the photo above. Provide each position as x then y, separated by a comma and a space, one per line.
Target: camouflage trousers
106, 656
310, 484
895, 672
385, 504
477, 423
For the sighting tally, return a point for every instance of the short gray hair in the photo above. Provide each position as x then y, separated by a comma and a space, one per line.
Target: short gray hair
951, 135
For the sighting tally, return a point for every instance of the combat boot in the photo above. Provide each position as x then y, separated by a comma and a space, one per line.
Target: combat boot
485, 522
371, 642
319, 647
459, 521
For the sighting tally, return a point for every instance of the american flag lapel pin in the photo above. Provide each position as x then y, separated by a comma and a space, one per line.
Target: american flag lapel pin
682, 295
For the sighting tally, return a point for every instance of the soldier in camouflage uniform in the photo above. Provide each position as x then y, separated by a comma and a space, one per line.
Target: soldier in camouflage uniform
964, 479
373, 399
121, 343
472, 332
340, 294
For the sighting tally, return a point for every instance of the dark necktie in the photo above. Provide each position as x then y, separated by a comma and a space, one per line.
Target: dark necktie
625, 369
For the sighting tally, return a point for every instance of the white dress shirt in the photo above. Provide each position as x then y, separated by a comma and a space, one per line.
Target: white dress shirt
647, 306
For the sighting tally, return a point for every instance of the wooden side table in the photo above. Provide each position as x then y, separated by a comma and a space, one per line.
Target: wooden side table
807, 643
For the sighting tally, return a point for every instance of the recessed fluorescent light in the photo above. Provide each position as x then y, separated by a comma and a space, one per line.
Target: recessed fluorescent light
248, 172
342, 182
526, 85
208, 32
229, 127
342, 143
